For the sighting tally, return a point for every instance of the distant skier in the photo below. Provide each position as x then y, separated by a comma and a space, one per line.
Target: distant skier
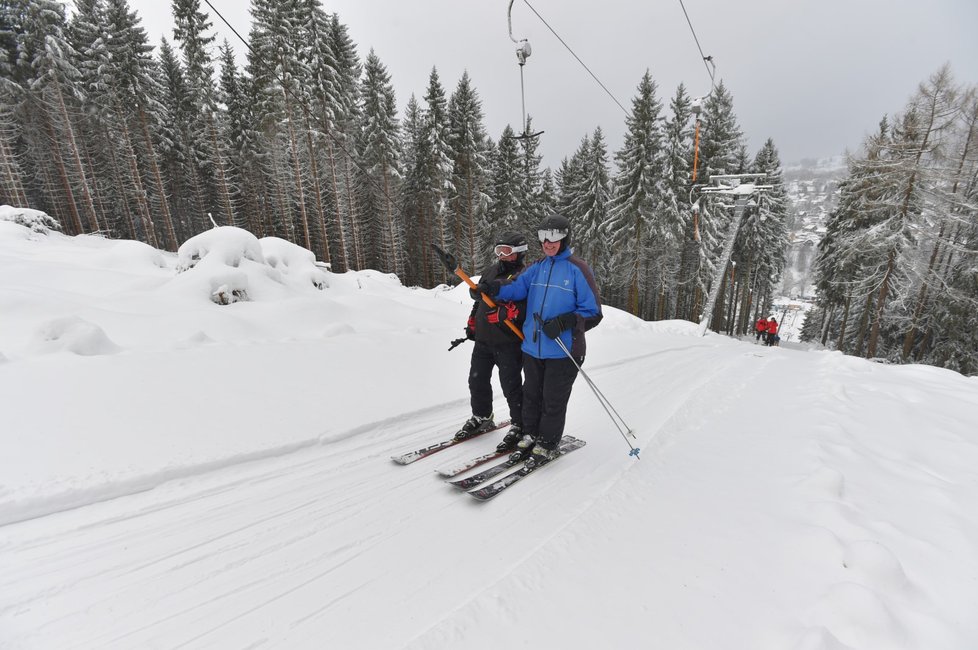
772, 332
760, 328
496, 344
562, 302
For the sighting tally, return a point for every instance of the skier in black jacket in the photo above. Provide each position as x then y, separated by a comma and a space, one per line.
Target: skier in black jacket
496, 344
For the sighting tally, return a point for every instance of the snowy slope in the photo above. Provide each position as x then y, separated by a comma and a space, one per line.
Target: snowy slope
180, 474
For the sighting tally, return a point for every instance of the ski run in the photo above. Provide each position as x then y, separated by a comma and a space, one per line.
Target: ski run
179, 474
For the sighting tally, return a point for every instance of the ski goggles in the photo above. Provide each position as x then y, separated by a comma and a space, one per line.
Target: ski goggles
551, 235
505, 250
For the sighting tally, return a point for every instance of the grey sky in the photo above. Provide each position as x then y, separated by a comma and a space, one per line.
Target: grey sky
815, 75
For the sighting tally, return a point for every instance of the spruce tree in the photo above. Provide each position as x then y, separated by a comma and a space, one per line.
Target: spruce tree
507, 182
638, 196
381, 152
469, 200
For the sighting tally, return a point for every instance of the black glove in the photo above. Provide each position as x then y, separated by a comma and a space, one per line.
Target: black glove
474, 294
558, 324
470, 329
490, 288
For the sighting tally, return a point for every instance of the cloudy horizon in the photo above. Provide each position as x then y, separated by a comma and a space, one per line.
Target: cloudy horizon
815, 77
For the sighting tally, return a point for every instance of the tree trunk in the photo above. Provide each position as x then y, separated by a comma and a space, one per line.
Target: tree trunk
69, 195
840, 344
317, 190
634, 285
352, 216
171, 233
148, 228
391, 228
222, 181
297, 170
15, 194
73, 149
341, 237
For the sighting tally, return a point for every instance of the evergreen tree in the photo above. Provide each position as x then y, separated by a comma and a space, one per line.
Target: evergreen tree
382, 159
679, 154
417, 220
638, 195
507, 182
206, 153
591, 197
469, 201
533, 206
53, 92
720, 153
344, 111
435, 172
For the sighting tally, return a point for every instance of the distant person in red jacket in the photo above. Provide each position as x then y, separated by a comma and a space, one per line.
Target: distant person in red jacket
772, 332
760, 329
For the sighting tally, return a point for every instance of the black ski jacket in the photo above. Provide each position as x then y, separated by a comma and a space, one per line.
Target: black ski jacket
497, 333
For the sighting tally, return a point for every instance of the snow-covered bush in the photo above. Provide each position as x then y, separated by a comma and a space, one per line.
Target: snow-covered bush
232, 265
36, 220
224, 245
293, 263
218, 255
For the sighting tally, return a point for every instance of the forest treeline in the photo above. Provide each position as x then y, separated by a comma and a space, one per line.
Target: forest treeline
109, 133
897, 271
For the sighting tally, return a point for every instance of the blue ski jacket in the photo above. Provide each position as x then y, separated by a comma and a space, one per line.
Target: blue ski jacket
554, 286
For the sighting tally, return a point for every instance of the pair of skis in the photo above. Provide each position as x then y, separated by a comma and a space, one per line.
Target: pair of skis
490, 489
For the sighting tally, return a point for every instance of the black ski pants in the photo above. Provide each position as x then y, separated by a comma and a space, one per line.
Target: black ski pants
509, 359
546, 390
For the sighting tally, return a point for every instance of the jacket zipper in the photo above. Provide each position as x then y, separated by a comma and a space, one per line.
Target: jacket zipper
543, 302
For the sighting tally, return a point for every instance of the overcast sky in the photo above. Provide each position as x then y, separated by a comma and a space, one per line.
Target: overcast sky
815, 75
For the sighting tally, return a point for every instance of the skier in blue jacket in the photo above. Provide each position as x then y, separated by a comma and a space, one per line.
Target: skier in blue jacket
562, 302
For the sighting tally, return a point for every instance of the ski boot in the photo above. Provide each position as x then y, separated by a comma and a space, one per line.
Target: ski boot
540, 456
474, 426
512, 437
523, 447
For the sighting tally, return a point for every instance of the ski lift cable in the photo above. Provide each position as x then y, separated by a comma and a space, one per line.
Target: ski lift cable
707, 60
562, 42
305, 108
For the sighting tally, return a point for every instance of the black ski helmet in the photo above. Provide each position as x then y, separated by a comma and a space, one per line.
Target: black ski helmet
513, 238
560, 223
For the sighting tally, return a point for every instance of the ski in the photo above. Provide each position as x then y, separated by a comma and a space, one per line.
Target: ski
485, 475
567, 445
469, 464
496, 470
424, 452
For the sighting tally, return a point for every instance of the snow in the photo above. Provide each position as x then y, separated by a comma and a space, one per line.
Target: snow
182, 473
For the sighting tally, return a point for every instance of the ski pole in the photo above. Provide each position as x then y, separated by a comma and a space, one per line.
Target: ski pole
597, 393
457, 342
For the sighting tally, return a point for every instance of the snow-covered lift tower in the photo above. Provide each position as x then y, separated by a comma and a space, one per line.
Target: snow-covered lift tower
743, 189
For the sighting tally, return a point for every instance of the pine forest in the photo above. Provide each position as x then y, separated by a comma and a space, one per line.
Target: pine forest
111, 134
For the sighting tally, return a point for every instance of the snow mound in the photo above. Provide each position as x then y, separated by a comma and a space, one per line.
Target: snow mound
231, 265
338, 329
224, 245
36, 220
76, 335
293, 264
128, 255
